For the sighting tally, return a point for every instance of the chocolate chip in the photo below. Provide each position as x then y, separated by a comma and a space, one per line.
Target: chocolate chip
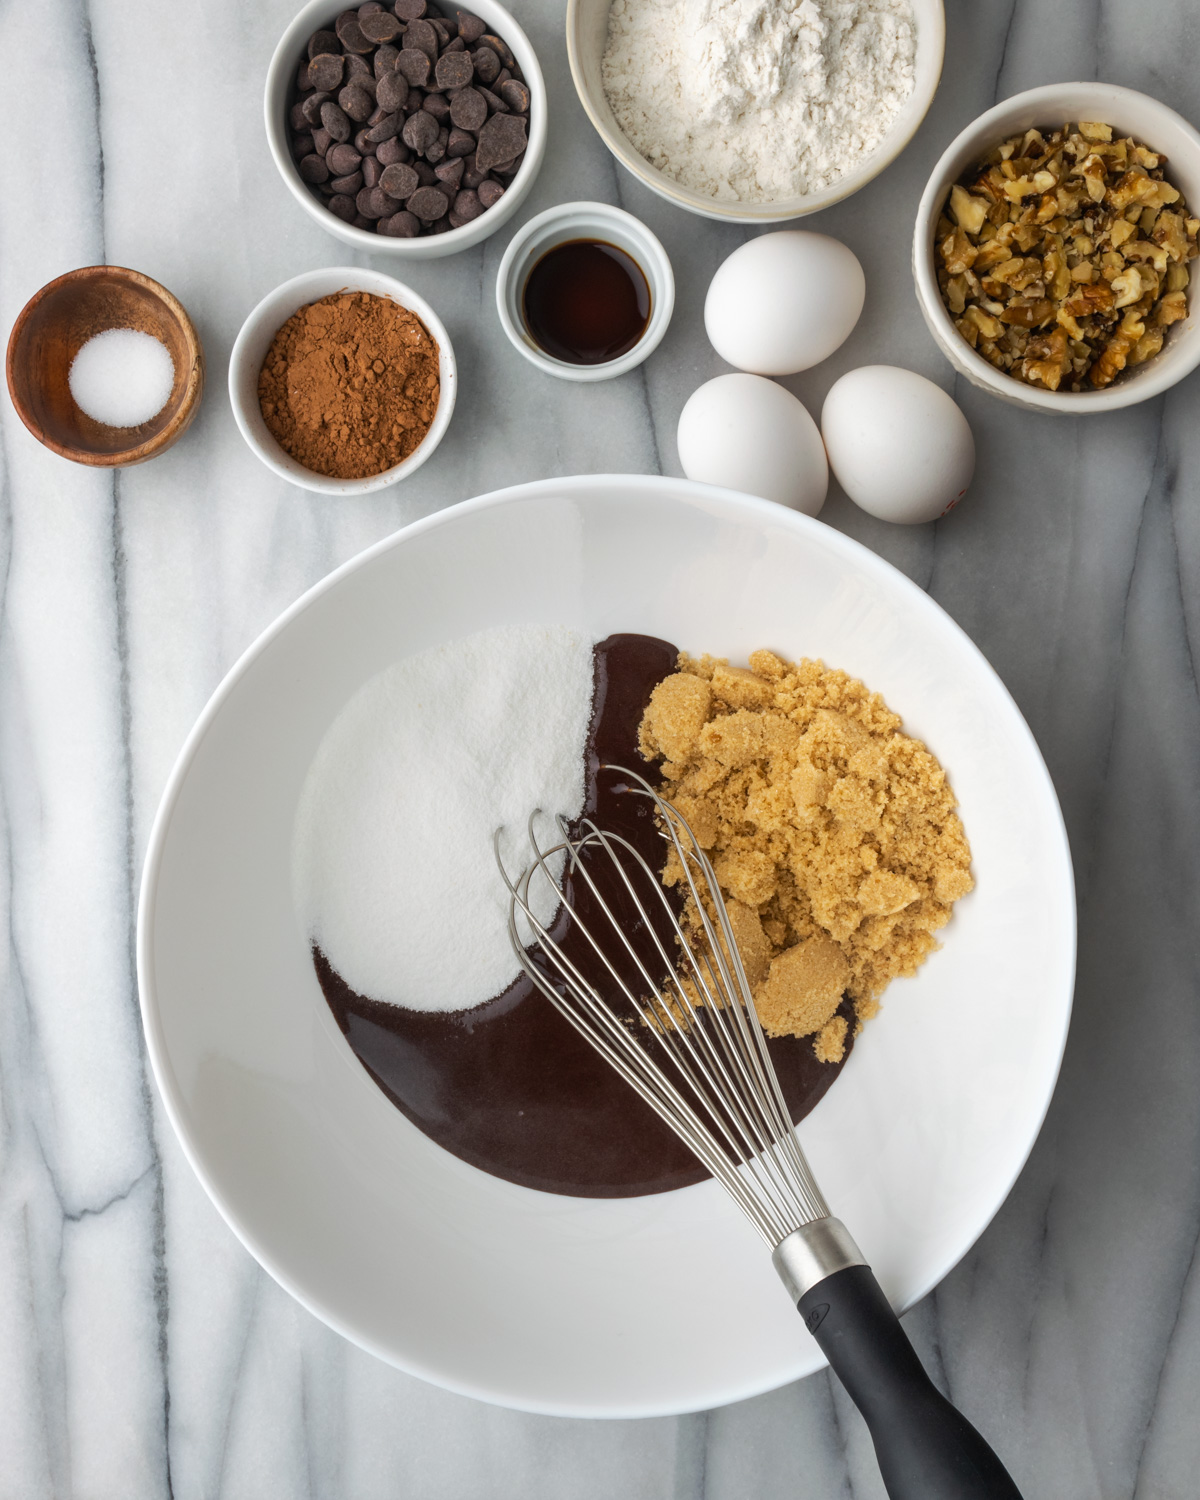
302, 145
470, 27
313, 169
359, 222
440, 226
311, 108
461, 142
516, 96
401, 226
420, 131
343, 205
296, 118
466, 207
414, 102
454, 70
435, 152
392, 151
449, 172
322, 41
499, 48
426, 175
421, 36
343, 158
366, 201
472, 176
325, 72
349, 184
369, 8
489, 192
321, 140
495, 105
363, 143
385, 129
372, 171
415, 65
358, 70
457, 45
392, 91
438, 106
509, 168
385, 60
350, 34
487, 64
468, 110
356, 102
336, 121
380, 27
303, 81
500, 140
410, 10
428, 203
400, 181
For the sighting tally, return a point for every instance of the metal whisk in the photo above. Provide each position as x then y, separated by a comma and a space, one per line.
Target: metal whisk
672, 1012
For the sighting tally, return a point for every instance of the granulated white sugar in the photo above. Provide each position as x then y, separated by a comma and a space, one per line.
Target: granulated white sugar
122, 377
395, 876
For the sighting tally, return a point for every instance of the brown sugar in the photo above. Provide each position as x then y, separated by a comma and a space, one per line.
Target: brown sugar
350, 385
834, 837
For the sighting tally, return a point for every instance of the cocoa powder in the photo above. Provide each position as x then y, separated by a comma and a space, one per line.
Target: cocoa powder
350, 385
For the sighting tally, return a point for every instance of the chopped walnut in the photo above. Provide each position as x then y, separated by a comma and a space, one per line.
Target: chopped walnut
1063, 257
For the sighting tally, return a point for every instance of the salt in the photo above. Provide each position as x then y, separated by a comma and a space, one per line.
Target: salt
394, 871
122, 377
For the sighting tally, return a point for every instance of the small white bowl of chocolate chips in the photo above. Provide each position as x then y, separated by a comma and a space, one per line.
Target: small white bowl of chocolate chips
415, 129
1055, 248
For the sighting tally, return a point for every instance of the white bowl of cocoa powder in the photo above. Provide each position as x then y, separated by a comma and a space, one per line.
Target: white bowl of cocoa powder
343, 380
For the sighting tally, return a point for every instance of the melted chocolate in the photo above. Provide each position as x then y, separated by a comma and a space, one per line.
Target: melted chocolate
510, 1086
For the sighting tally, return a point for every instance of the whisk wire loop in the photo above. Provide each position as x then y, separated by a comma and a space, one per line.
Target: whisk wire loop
595, 1021
673, 1012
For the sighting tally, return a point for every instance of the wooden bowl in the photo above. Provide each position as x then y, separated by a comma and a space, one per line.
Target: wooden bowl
53, 326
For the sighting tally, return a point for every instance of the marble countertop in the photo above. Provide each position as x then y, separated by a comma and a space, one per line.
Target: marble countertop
142, 1351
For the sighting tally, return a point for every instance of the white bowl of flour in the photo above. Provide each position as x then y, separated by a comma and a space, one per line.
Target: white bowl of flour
758, 110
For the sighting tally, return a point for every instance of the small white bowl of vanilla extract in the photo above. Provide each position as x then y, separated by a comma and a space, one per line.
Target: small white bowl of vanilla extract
585, 291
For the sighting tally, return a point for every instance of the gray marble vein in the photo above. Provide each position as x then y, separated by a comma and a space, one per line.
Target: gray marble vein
142, 1351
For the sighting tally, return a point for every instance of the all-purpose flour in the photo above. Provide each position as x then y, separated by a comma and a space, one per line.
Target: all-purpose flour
395, 875
757, 100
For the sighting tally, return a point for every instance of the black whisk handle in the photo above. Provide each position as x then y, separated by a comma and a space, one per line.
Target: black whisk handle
927, 1450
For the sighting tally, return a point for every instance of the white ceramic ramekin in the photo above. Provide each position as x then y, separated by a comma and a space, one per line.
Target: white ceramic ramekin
252, 343
584, 221
587, 34
280, 75
1129, 113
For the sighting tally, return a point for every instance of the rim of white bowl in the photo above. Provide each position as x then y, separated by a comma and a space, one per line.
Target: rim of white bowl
640, 243
284, 61
1160, 372
931, 51
308, 287
155, 1039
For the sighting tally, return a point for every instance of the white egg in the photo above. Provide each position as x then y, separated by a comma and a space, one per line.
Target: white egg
784, 302
898, 445
749, 434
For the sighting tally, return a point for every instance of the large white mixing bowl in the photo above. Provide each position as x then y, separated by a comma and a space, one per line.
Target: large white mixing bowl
582, 1307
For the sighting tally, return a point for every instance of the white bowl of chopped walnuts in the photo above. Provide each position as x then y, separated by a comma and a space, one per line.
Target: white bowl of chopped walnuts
1054, 245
